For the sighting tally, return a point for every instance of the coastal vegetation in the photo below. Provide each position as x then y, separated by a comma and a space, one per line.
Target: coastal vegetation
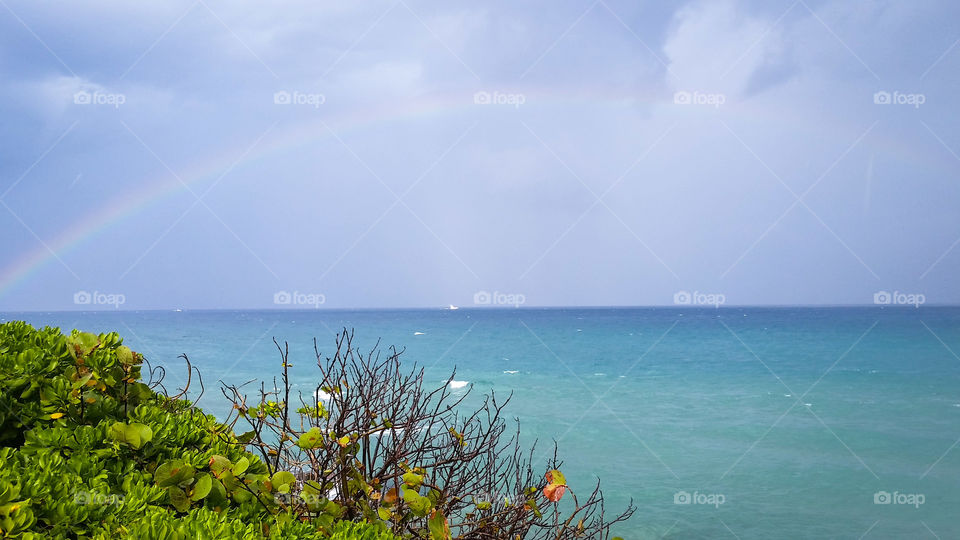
92, 445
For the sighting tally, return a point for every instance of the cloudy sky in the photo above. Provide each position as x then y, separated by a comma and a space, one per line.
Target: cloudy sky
207, 154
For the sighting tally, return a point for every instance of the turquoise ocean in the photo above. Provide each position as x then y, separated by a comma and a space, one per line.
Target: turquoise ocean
718, 423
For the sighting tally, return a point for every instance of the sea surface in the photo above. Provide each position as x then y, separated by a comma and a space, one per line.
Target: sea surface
717, 423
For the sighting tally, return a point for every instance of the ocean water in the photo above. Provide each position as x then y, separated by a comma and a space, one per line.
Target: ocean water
718, 423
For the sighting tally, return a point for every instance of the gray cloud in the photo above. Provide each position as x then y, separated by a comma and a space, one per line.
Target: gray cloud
573, 177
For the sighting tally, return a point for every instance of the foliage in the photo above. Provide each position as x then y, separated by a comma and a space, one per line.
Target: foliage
372, 443
89, 450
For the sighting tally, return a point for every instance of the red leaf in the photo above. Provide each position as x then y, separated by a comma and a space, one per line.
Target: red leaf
554, 492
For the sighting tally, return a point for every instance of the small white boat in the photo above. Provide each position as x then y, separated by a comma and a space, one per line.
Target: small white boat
452, 307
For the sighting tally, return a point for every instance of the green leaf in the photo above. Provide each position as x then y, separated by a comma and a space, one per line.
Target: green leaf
282, 478
125, 355
202, 487
556, 477
241, 466
219, 465
134, 435
532, 505
418, 504
246, 437
172, 473
413, 480
218, 493
81, 381
311, 494
333, 509
312, 487
311, 439
178, 498
81, 343
439, 530
325, 521
241, 495
384, 513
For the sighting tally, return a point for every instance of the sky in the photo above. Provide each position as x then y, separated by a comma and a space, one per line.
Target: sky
315, 155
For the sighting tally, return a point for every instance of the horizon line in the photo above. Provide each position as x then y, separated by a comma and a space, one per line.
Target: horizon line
481, 308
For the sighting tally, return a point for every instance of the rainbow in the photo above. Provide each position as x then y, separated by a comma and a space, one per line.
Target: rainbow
129, 204
166, 186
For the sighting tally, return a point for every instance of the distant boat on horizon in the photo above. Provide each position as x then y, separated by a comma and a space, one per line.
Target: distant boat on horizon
452, 307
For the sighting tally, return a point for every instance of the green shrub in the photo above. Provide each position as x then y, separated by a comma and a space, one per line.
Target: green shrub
88, 450
383, 446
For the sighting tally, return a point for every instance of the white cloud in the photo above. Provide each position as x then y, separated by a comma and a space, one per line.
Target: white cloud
396, 77
53, 95
455, 29
716, 47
